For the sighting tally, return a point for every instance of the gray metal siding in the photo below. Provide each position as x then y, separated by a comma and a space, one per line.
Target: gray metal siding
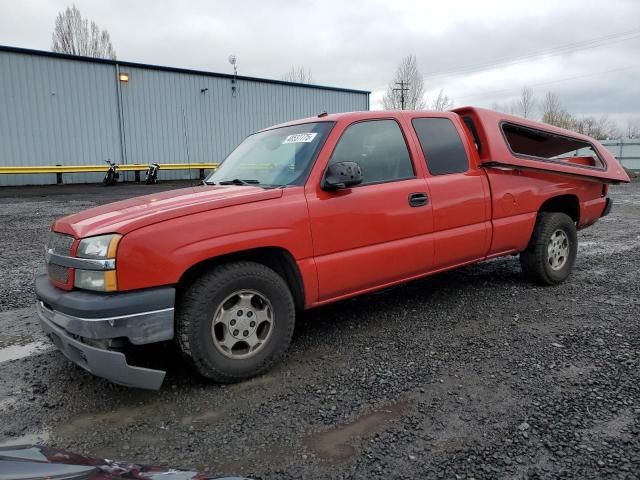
65, 111
166, 114
56, 111
627, 150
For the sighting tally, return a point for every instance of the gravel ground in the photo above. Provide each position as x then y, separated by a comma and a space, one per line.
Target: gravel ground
473, 373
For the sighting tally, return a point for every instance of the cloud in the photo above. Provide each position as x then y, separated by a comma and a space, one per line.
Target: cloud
358, 44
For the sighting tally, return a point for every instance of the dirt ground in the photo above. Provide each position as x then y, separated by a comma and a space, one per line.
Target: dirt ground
474, 373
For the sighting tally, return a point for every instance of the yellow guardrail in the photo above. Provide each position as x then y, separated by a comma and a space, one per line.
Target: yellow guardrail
131, 167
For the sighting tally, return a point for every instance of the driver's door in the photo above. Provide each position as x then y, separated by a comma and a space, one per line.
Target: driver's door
374, 233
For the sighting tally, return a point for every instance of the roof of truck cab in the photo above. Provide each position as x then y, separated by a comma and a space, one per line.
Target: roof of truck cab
483, 114
491, 123
364, 115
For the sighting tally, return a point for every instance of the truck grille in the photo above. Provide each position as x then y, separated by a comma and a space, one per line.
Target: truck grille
59, 243
58, 273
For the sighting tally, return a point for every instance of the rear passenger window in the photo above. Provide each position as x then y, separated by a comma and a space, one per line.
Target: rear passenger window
379, 148
441, 144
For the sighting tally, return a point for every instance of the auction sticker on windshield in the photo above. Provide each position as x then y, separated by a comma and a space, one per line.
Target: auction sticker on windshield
300, 138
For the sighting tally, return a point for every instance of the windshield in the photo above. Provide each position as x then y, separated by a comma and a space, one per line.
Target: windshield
277, 157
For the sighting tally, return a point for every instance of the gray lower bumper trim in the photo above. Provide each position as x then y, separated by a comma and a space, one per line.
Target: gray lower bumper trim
103, 363
85, 304
139, 328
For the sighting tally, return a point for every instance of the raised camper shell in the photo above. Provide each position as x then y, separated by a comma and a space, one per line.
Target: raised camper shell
528, 145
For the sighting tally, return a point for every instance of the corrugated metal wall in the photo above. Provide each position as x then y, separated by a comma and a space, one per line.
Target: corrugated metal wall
627, 150
56, 110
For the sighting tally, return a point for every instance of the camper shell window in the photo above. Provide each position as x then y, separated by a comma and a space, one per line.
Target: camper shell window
551, 147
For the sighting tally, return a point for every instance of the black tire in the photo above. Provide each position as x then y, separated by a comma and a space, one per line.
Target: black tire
108, 179
199, 304
535, 260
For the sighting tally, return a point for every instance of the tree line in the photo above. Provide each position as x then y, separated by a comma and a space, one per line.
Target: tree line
75, 35
407, 91
550, 110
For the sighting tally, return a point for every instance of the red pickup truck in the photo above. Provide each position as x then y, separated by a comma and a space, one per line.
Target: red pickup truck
308, 213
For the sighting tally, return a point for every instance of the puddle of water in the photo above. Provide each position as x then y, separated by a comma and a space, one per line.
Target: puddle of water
205, 417
15, 352
123, 417
339, 443
7, 402
119, 418
251, 383
614, 427
28, 439
601, 250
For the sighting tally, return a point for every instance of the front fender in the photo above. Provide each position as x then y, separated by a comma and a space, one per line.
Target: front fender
159, 254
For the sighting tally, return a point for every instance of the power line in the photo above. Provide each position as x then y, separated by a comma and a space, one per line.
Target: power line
559, 50
495, 92
567, 48
404, 87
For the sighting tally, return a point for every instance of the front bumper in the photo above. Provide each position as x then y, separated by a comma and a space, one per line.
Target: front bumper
74, 319
103, 363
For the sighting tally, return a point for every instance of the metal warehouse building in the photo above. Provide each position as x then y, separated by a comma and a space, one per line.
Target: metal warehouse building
627, 150
66, 110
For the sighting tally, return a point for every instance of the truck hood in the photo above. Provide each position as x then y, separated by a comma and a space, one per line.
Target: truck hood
128, 215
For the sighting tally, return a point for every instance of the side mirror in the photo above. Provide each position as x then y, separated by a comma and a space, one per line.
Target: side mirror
342, 175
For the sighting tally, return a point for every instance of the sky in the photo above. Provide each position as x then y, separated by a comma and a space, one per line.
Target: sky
466, 48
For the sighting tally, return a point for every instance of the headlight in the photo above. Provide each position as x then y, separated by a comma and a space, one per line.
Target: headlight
102, 246
99, 280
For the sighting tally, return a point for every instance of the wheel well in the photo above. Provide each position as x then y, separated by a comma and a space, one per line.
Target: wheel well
278, 259
567, 204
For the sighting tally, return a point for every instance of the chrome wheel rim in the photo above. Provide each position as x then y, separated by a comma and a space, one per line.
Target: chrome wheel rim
558, 250
242, 324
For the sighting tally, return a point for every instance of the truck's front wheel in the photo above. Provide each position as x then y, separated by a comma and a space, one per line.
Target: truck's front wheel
551, 253
235, 321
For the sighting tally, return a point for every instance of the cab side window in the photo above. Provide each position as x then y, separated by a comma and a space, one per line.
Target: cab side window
379, 148
441, 144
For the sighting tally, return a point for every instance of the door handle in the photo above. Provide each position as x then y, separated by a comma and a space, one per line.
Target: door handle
418, 199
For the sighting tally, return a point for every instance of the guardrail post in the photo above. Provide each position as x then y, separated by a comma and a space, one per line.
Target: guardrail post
621, 148
137, 175
202, 174
58, 176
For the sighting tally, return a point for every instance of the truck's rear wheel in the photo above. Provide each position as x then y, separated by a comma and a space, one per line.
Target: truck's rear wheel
551, 253
235, 321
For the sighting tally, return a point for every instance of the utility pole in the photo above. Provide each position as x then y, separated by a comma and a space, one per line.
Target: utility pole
404, 87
